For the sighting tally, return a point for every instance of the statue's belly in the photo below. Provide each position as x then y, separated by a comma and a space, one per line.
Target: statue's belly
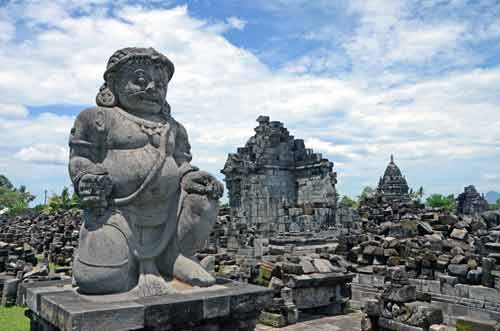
129, 168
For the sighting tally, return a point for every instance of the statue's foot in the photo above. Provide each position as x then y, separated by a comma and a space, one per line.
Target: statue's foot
150, 282
190, 272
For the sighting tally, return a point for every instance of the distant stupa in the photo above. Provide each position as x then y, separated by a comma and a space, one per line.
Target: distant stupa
393, 185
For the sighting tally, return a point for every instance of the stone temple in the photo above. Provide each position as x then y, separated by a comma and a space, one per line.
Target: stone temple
393, 185
276, 184
470, 202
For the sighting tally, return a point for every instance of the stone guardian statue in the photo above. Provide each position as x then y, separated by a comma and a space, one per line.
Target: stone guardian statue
147, 209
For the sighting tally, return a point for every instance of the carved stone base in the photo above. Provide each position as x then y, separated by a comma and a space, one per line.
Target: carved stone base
223, 307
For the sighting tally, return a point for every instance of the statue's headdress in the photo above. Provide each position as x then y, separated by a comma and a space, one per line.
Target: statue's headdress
106, 96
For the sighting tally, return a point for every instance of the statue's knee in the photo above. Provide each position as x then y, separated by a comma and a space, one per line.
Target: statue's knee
200, 204
103, 263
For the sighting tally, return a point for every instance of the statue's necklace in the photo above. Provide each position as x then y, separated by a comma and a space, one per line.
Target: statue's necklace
153, 130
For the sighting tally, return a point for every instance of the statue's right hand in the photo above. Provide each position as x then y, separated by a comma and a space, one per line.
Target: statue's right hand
94, 190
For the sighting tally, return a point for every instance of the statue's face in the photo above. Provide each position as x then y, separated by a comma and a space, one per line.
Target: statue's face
141, 88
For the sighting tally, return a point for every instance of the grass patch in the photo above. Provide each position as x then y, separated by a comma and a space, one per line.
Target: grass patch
13, 319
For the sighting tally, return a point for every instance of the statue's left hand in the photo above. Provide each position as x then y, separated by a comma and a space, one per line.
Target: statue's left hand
201, 182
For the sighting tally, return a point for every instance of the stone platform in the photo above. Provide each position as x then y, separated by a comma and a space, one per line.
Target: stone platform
315, 322
226, 306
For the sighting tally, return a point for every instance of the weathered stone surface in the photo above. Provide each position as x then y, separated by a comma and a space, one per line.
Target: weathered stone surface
276, 184
471, 324
226, 305
406, 293
272, 319
459, 270
307, 266
388, 324
470, 202
393, 184
133, 181
459, 234
322, 265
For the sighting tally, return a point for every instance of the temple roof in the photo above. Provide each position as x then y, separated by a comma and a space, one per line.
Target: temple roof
392, 169
393, 183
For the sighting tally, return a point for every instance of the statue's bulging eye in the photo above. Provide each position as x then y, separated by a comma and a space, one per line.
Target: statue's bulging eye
141, 80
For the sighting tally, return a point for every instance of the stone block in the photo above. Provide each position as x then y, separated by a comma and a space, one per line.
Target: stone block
322, 265
226, 306
470, 324
372, 308
292, 268
307, 266
405, 293
272, 319
391, 325
459, 234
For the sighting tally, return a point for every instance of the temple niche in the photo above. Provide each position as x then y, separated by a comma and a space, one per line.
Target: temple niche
470, 202
393, 185
276, 184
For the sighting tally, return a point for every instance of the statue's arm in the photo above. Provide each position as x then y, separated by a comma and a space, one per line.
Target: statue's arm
182, 154
90, 179
192, 179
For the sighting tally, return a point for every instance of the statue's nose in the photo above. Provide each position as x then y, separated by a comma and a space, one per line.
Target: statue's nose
150, 86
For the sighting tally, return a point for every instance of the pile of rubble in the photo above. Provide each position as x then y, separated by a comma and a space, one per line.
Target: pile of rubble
304, 281
397, 308
27, 239
437, 242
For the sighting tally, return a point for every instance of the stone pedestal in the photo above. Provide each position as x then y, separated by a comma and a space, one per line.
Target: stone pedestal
226, 306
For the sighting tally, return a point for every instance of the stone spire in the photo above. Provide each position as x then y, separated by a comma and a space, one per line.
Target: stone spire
393, 185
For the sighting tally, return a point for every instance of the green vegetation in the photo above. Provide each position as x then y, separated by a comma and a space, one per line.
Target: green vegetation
494, 206
58, 203
367, 191
348, 202
440, 201
13, 319
223, 204
417, 195
16, 200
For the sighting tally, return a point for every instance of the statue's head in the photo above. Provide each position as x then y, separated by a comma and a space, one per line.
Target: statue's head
136, 80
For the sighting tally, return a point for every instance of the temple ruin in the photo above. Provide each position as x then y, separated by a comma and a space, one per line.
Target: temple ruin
393, 185
470, 202
276, 184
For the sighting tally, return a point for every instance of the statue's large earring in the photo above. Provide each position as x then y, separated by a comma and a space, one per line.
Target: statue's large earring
166, 108
105, 97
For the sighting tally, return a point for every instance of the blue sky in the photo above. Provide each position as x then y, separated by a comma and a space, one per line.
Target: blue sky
358, 80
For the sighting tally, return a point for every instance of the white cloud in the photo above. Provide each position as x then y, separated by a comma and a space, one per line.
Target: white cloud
43, 153
218, 89
332, 150
13, 111
236, 23
45, 128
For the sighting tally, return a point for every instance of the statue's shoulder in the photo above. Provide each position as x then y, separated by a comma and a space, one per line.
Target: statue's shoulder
179, 128
95, 115
95, 111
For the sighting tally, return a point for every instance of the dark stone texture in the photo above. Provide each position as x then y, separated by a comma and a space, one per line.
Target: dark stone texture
230, 304
276, 184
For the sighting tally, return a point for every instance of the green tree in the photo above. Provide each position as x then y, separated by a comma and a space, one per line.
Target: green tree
15, 200
348, 202
62, 202
417, 195
5, 182
440, 201
365, 193
494, 206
